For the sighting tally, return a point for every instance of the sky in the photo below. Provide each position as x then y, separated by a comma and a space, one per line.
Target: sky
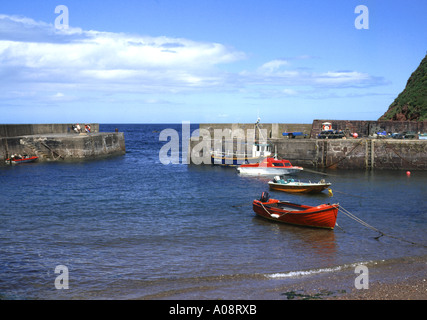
225, 61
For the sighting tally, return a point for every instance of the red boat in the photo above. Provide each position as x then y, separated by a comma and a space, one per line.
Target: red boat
15, 159
321, 216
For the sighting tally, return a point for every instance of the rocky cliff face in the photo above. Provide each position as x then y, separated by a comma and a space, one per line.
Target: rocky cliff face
411, 103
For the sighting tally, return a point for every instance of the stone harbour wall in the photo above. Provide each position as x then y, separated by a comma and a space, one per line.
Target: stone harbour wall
365, 152
272, 130
57, 145
342, 153
16, 130
356, 153
365, 128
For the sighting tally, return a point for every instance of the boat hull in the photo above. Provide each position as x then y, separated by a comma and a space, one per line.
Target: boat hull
23, 160
322, 216
269, 166
299, 188
268, 170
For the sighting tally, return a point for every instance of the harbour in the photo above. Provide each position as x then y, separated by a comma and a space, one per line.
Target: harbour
130, 227
367, 151
213, 150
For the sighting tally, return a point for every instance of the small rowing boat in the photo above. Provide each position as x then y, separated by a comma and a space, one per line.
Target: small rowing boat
321, 216
293, 186
16, 159
269, 166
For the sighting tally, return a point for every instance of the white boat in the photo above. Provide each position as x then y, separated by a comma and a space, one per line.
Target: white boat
257, 151
269, 166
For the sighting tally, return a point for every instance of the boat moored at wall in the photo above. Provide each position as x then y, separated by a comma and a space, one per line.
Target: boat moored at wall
17, 159
269, 166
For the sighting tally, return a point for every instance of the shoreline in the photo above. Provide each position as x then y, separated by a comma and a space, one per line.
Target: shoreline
405, 279
396, 279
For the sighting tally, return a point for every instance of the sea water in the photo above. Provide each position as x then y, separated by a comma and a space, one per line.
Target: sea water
130, 227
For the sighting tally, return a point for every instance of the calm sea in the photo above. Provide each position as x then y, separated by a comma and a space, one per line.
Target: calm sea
129, 227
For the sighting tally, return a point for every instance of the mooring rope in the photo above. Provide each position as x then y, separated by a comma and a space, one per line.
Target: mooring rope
387, 146
352, 216
357, 219
349, 194
271, 215
346, 155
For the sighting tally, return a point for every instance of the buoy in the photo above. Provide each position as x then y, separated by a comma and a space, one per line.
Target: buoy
408, 173
330, 192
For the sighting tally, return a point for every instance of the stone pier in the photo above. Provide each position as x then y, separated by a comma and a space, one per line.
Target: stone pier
58, 142
365, 152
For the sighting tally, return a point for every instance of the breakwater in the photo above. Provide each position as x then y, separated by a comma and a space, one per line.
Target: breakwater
56, 142
16, 130
362, 153
366, 152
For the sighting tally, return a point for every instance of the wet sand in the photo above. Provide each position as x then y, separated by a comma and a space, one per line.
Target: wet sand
404, 279
398, 279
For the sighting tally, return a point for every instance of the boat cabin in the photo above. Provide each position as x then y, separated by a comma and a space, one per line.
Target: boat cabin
279, 179
261, 150
272, 162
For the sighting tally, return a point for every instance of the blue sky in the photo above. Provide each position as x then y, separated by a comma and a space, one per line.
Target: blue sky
167, 61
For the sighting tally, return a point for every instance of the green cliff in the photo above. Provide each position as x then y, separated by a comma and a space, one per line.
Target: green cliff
411, 103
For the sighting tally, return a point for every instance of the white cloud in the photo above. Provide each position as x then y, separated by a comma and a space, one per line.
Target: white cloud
272, 66
40, 62
279, 73
36, 52
343, 78
289, 92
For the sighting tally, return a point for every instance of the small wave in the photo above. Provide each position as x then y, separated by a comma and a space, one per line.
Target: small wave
301, 273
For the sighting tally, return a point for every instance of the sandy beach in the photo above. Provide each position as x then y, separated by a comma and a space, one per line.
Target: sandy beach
403, 279
398, 279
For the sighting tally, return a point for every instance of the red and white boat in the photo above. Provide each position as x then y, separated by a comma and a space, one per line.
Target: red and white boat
269, 166
16, 159
321, 216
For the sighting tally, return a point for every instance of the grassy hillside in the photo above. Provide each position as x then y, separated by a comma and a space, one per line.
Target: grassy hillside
411, 103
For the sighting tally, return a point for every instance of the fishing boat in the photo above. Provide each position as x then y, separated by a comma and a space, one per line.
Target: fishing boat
251, 152
259, 152
321, 216
16, 159
291, 185
269, 166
